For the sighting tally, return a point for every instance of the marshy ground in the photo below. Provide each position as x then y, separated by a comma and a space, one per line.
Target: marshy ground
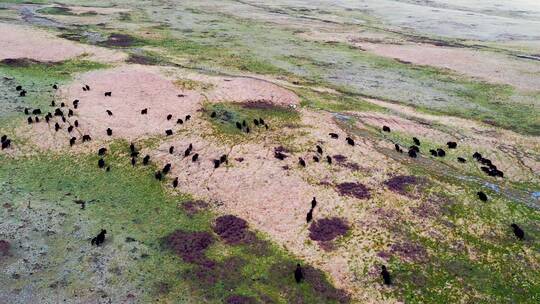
440, 71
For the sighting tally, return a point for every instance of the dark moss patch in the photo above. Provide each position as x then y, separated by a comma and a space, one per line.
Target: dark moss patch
316, 278
323, 290
401, 183
142, 59
233, 230
191, 246
327, 229
261, 104
120, 40
238, 299
356, 190
340, 158
4, 248
22, 62
192, 207
410, 252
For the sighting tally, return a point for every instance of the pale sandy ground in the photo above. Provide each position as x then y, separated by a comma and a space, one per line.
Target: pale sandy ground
488, 66
272, 199
18, 41
492, 67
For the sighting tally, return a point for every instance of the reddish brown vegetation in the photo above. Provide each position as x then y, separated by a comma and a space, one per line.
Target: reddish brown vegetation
232, 229
353, 189
237, 299
4, 248
327, 229
190, 245
400, 183
194, 207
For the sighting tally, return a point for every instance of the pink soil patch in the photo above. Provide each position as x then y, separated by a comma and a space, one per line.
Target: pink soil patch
489, 66
133, 88
19, 41
245, 90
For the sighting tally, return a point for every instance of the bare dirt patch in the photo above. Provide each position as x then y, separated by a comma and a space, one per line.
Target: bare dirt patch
194, 207
25, 42
242, 90
133, 89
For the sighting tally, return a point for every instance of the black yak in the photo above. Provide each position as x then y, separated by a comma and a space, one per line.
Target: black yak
350, 141
166, 169
238, 125
298, 275
169, 117
188, 117
301, 162
315, 159
313, 203
279, 155
109, 112
86, 138
133, 161
109, 131
412, 153
158, 175
108, 94
101, 163
175, 182
146, 159
440, 152
56, 127
30, 121
99, 239
451, 144
195, 157
216, 163
416, 141
333, 135
171, 149
144, 111
72, 141
461, 160
168, 132
518, 232
309, 215
329, 159
76, 123
386, 129
482, 196
386, 276
319, 149
102, 151
179, 121
223, 158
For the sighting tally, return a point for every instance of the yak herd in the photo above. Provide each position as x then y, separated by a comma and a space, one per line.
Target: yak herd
64, 112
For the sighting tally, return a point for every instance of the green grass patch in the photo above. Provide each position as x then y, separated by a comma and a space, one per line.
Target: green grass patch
228, 114
37, 79
133, 206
